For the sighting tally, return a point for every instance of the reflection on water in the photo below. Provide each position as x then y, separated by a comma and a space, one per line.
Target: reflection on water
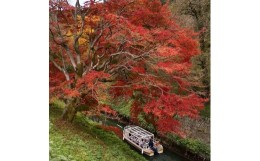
165, 156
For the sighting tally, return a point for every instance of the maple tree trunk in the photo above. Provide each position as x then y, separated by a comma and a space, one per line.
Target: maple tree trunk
69, 112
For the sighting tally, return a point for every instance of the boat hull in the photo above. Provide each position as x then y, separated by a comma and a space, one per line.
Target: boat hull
148, 152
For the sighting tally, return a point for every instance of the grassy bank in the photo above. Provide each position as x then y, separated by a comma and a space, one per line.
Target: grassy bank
83, 140
192, 145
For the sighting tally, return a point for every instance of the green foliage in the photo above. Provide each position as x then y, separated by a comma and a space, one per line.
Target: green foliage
84, 140
192, 145
145, 124
57, 103
206, 111
122, 106
83, 108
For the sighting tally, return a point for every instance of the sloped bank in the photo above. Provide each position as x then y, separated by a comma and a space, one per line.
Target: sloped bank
191, 149
85, 140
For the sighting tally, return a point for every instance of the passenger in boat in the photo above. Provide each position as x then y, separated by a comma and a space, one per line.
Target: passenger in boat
152, 146
142, 143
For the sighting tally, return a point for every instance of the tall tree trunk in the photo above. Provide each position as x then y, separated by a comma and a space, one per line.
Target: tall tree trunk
70, 111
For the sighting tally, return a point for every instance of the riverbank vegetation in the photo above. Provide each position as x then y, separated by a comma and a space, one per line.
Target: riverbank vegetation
193, 146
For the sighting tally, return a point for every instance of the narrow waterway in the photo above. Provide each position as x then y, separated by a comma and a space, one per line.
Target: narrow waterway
167, 155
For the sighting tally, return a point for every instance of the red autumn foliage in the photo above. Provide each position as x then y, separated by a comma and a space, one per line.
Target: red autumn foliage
138, 70
124, 47
172, 104
168, 107
114, 129
90, 79
88, 100
71, 93
108, 110
135, 111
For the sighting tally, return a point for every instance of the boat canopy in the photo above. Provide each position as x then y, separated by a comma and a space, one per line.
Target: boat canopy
139, 132
140, 139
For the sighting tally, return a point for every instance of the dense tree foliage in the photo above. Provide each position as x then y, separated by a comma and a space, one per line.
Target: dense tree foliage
196, 14
127, 48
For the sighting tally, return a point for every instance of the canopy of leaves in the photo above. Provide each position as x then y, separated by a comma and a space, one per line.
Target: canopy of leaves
131, 48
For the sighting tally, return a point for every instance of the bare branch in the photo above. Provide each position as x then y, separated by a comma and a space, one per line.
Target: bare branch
56, 65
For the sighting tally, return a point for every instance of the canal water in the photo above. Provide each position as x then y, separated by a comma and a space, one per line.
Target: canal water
167, 155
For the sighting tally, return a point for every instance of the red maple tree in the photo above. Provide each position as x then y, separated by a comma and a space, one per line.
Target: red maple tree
125, 47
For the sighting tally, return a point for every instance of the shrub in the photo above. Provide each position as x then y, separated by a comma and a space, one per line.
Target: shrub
57, 103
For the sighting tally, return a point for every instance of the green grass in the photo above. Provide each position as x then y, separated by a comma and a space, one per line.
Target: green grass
83, 140
122, 106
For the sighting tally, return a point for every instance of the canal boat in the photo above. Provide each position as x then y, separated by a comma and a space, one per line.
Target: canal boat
139, 138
